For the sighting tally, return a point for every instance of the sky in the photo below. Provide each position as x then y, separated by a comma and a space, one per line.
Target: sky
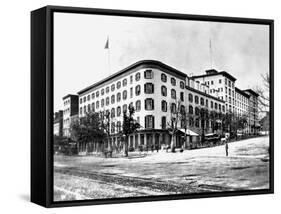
80, 58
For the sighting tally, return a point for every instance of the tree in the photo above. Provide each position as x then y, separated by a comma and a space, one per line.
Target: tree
130, 125
175, 108
87, 129
263, 92
204, 117
105, 126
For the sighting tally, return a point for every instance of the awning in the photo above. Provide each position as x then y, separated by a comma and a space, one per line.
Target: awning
188, 132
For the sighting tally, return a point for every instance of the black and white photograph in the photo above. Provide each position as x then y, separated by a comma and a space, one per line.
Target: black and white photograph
146, 107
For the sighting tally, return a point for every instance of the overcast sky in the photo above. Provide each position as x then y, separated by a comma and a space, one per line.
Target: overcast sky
81, 60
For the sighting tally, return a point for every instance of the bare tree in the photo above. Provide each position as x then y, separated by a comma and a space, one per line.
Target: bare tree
175, 108
263, 92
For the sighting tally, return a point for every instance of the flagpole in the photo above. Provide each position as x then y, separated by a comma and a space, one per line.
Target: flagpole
108, 55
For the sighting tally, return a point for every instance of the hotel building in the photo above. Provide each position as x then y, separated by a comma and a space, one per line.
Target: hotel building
58, 123
153, 88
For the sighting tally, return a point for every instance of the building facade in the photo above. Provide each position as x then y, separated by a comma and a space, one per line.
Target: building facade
70, 112
153, 88
58, 123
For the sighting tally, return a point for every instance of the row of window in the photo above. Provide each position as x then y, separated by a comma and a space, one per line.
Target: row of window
173, 81
204, 102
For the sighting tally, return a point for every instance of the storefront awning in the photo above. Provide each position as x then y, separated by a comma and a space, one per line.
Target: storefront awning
189, 132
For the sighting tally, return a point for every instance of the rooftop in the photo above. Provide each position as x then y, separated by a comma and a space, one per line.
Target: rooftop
251, 92
213, 72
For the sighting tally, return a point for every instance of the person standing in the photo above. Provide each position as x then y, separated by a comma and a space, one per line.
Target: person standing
226, 148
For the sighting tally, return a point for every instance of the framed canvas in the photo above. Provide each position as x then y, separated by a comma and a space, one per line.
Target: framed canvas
131, 106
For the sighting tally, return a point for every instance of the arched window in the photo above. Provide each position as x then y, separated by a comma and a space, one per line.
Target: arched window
163, 122
149, 104
125, 108
173, 108
163, 90
112, 87
118, 111
137, 77
124, 82
149, 121
138, 90
118, 97
102, 91
197, 111
93, 95
93, 107
190, 109
163, 77
182, 96
181, 84
107, 101
97, 95
107, 90
112, 127
164, 106
148, 88
112, 112
207, 103
112, 99
173, 81
102, 103
138, 105
190, 97
118, 84
124, 95
196, 99
118, 126
173, 94
202, 101
97, 105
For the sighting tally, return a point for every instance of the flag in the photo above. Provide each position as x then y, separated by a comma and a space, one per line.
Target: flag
107, 44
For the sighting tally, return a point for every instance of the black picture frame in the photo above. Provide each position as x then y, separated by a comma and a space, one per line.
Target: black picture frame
42, 104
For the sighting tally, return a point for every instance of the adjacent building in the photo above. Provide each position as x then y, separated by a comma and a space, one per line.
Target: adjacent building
70, 112
58, 123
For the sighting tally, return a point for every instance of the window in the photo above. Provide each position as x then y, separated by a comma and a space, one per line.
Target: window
182, 85
202, 101
220, 107
93, 95
124, 108
131, 92
190, 98
124, 95
112, 87
219, 80
149, 122
163, 90
182, 96
138, 90
163, 77
164, 106
81, 100
118, 111
196, 99
102, 92
93, 107
212, 82
173, 94
112, 112
173, 81
81, 110
163, 122
182, 109
107, 101
212, 104
118, 97
97, 105
118, 126
229, 83
102, 102
131, 79
84, 109
88, 97
112, 99
137, 77
124, 82
190, 109
118, 84
196, 111
216, 106
112, 127
138, 105
107, 90
149, 104
229, 92
148, 74
197, 122
148, 88
225, 81
207, 103
97, 94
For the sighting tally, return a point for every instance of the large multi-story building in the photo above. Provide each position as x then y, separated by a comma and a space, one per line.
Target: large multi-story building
153, 88
70, 112
58, 123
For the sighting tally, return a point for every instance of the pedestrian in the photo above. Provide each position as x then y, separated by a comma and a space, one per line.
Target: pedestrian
226, 148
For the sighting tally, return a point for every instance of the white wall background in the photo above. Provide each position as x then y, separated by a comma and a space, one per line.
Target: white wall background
15, 107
